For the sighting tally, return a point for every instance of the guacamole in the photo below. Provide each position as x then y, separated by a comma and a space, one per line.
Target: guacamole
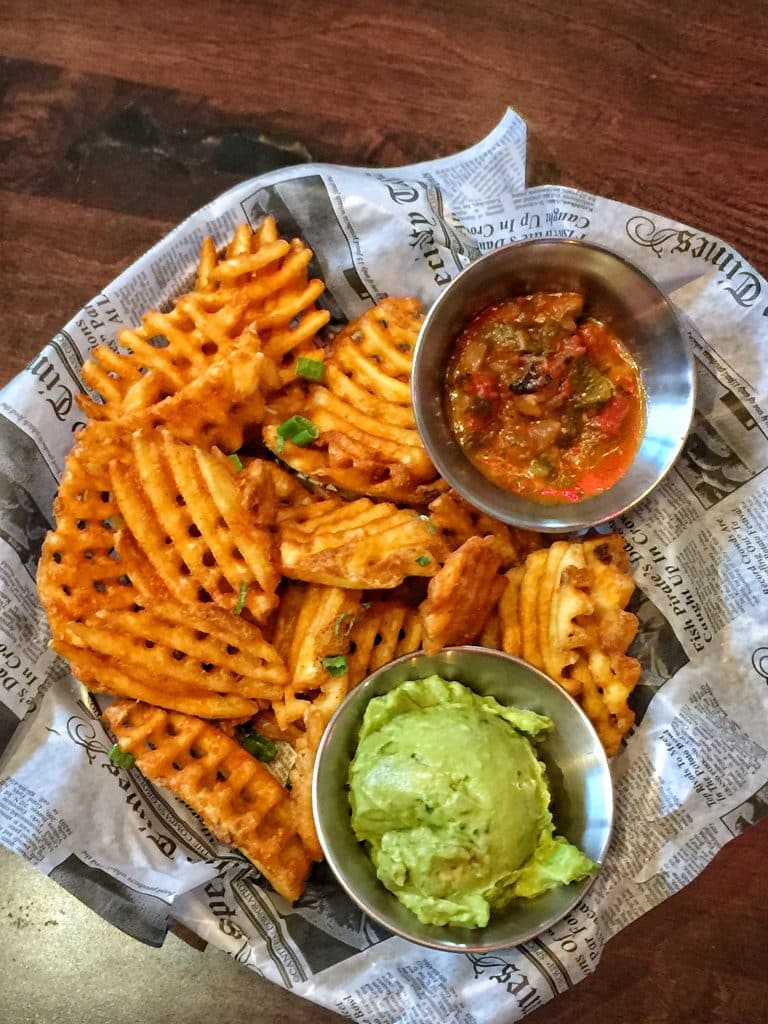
453, 804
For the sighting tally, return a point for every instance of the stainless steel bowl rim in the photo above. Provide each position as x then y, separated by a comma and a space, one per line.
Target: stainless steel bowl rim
364, 692
457, 470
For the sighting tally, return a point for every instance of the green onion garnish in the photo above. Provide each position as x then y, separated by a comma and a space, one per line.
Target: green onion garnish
121, 758
339, 628
234, 458
297, 429
336, 665
258, 746
242, 591
310, 369
423, 559
429, 524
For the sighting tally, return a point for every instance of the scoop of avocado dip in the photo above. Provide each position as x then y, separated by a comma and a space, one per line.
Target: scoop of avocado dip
453, 804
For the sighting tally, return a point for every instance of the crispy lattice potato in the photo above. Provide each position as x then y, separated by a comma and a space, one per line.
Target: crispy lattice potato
254, 301
462, 595
181, 507
357, 545
564, 612
116, 617
240, 800
367, 441
456, 521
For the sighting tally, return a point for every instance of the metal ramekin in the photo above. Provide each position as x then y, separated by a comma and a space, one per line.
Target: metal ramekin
577, 770
617, 293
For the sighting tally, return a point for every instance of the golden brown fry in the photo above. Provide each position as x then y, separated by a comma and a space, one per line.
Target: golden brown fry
563, 603
78, 573
357, 545
456, 521
220, 407
612, 587
529, 608
368, 443
301, 781
240, 800
510, 631
102, 675
172, 647
257, 298
313, 623
184, 511
383, 631
265, 279
564, 611
462, 595
167, 352
612, 678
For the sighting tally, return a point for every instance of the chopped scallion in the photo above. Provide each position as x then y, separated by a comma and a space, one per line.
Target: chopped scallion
297, 429
423, 559
121, 758
241, 594
234, 458
340, 628
310, 369
335, 665
258, 746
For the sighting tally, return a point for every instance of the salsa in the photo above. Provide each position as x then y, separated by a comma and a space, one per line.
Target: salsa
545, 402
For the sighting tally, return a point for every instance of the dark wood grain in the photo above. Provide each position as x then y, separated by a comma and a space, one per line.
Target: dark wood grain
116, 120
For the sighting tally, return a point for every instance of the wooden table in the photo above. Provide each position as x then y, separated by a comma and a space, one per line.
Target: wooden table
118, 119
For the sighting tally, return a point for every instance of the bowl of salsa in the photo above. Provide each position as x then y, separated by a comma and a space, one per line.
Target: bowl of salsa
552, 384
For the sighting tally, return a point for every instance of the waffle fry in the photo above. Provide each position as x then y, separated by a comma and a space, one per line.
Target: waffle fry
78, 573
313, 624
167, 352
240, 800
462, 595
182, 508
456, 521
385, 630
564, 612
173, 650
368, 443
221, 407
266, 279
257, 298
563, 601
357, 544
301, 782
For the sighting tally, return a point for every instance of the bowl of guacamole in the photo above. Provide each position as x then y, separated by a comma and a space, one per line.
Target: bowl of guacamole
462, 799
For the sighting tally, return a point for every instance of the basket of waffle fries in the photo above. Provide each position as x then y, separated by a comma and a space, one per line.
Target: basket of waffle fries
248, 525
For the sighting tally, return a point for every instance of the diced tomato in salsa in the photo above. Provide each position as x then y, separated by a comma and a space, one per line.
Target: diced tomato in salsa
545, 403
483, 385
612, 415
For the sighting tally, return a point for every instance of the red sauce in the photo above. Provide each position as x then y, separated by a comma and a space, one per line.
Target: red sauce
547, 404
